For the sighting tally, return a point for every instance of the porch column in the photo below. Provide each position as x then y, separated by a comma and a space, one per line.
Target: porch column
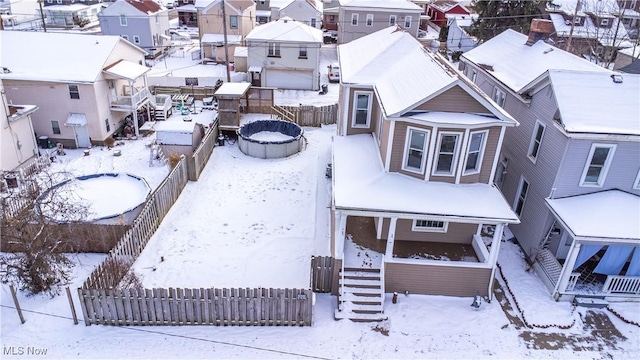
339, 234
495, 244
134, 114
567, 269
388, 255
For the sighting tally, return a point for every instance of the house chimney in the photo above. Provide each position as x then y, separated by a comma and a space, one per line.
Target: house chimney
540, 29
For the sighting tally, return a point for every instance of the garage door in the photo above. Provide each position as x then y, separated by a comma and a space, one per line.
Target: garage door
283, 79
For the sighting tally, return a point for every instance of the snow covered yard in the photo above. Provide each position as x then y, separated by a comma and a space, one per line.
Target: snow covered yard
246, 222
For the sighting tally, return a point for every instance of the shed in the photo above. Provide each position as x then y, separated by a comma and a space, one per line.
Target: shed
240, 59
179, 137
232, 101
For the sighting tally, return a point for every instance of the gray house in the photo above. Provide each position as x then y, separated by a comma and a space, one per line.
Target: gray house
572, 169
143, 22
362, 17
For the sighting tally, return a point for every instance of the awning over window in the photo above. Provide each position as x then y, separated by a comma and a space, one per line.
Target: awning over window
76, 119
255, 69
124, 69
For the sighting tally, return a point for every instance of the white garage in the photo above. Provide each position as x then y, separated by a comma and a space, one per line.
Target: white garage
289, 79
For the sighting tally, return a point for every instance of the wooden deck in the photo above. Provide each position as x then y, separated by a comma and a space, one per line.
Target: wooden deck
363, 232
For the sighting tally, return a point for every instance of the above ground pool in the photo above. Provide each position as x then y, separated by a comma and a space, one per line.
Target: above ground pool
270, 139
109, 198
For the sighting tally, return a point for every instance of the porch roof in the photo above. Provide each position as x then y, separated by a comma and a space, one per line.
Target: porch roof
611, 214
361, 184
124, 69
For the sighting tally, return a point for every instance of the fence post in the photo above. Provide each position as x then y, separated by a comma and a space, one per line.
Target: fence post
15, 301
73, 308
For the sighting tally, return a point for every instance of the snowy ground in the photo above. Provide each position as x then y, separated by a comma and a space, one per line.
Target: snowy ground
235, 228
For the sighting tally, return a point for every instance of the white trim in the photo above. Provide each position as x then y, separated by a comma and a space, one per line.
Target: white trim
425, 147
534, 139
500, 100
483, 145
465, 142
519, 195
355, 109
392, 130
407, 22
456, 151
416, 228
123, 20
636, 183
394, 20
136, 39
496, 156
605, 167
354, 16
369, 21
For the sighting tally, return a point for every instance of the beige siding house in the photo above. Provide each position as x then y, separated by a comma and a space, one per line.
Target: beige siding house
285, 54
413, 167
240, 20
85, 92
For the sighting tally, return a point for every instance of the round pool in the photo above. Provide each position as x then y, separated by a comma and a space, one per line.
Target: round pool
109, 198
270, 139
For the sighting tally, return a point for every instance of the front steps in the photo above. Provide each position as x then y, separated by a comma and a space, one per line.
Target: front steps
550, 265
362, 296
597, 302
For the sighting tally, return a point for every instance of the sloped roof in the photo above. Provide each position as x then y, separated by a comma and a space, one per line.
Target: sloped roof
633, 68
506, 54
616, 35
145, 6
591, 102
57, 57
286, 30
382, 4
402, 72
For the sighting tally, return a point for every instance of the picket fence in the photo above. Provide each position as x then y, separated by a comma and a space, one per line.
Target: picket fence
103, 302
212, 306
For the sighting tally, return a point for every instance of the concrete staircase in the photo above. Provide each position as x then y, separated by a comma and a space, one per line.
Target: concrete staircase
362, 295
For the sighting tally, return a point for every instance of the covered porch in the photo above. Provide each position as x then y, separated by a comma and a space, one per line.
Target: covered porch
603, 259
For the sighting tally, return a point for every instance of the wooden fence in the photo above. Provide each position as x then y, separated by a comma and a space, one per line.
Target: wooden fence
104, 303
249, 307
310, 115
196, 162
12, 205
322, 273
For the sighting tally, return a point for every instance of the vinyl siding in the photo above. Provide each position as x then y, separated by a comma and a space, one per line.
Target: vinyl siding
436, 280
454, 100
397, 152
384, 141
622, 172
490, 149
348, 32
457, 233
375, 108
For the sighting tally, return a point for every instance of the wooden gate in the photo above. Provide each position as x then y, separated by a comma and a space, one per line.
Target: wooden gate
322, 273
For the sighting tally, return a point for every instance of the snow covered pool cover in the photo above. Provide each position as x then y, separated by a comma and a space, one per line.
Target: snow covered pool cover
106, 195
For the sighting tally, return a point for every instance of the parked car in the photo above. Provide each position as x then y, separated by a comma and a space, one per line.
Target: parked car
179, 35
334, 73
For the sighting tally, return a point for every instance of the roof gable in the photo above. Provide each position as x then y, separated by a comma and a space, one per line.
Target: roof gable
286, 30
463, 101
397, 5
146, 7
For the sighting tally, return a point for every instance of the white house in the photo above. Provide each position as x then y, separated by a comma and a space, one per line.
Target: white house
304, 11
285, 54
19, 144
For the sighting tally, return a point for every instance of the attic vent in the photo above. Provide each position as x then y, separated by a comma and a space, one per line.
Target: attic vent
617, 78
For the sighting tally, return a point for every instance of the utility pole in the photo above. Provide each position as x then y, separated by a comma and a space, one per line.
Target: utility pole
573, 24
44, 25
226, 50
1, 23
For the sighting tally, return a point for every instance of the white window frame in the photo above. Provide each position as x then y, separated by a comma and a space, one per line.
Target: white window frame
536, 143
233, 22
474, 75
273, 49
521, 199
369, 21
392, 20
604, 22
407, 148
499, 96
75, 90
354, 19
407, 22
313, 22
636, 183
355, 109
454, 160
605, 167
126, 37
123, 20
55, 127
480, 151
303, 52
416, 226
136, 39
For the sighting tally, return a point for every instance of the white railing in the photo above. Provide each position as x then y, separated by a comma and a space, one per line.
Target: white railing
382, 281
621, 285
162, 102
341, 286
480, 248
130, 102
573, 280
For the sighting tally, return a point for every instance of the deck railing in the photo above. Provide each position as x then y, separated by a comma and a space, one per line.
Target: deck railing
616, 284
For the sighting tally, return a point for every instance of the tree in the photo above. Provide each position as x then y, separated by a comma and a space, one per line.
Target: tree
37, 219
495, 17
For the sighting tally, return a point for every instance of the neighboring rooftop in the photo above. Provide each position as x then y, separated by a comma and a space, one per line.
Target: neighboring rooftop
381, 4
286, 29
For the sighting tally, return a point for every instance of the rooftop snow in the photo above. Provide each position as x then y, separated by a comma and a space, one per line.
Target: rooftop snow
608, 214
361, 184
233, 89
286, 29
382, 4
583, 108
616, 35
219, 39
58, 57
127, 70
506, 53
449, 118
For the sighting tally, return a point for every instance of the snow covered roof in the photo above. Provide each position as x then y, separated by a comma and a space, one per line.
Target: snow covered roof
362, 184
70, 7
612, 36
279, 4
402, 72
240, 51
229, 88
397, 5
452, 118
219, 39
516, 65
609, 214
58, 57
190, 8
584, 108
203, 3
569, 6
286, 29
126, 70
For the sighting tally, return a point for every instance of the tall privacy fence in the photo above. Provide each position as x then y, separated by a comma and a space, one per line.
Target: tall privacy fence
197, 161
307, 115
